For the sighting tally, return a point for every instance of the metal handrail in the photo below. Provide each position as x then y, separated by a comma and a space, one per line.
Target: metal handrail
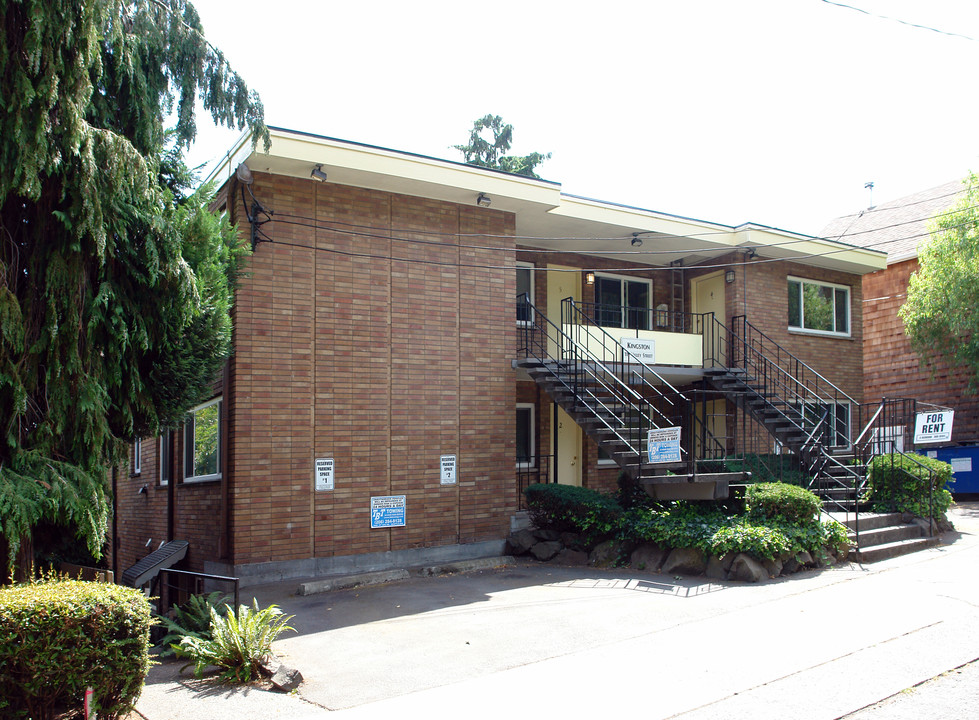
585, 363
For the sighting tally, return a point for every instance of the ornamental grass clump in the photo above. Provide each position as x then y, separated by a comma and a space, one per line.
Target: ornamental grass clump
239, 643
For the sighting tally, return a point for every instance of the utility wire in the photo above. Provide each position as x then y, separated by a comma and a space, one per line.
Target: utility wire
903, 22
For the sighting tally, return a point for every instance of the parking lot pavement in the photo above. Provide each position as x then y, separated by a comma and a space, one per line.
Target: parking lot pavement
537, 638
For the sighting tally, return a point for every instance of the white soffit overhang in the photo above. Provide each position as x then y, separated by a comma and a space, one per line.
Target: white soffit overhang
545, 218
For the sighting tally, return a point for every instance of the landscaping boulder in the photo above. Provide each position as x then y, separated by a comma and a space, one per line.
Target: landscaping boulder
520, 542
572, 540
606, 554
546, 535
686, 561
747, 569
719, 567
571, 557
544, 551
774, 567
648, 557
286, 679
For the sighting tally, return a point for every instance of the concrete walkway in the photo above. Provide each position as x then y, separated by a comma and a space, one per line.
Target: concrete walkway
536, 639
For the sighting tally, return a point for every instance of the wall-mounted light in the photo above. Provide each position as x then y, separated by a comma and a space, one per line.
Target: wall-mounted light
141, 491
318, 173
589, 278
729, 277
636, 240
483, 200
244, 175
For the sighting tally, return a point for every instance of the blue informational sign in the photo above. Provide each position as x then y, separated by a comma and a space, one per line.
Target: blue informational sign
664, 445
388, 511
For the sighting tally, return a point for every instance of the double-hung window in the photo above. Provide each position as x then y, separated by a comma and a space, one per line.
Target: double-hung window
525, 293
202, 442
622, 302
137, 456
526, 450
819, 307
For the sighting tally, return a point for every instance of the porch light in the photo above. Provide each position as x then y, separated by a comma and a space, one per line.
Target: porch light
483, 200
589, 278
729, 277
318, 173
636, 240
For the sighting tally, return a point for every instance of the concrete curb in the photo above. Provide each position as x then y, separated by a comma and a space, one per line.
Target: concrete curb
346, 582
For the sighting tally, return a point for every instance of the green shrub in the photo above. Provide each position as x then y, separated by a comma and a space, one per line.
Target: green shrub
768, 501
192, 619
569, 508
710, 530
59, 637
900, 483
239, 642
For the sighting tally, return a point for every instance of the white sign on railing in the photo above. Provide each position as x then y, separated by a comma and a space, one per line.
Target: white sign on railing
643, 349
664, 445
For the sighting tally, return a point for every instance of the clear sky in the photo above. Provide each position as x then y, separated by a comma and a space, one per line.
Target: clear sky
771, 111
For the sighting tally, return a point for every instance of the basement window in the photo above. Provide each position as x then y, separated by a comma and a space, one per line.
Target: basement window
202, 442
819, 307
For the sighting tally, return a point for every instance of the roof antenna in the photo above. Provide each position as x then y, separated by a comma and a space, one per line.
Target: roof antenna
870, 186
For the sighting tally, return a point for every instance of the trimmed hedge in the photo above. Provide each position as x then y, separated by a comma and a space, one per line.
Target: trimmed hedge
772, 501
59, 637
569, 508
899, 483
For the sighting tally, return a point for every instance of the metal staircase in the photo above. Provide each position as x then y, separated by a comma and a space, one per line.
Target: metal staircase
613, 395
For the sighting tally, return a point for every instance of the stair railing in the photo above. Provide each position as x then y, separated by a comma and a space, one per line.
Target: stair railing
586, 377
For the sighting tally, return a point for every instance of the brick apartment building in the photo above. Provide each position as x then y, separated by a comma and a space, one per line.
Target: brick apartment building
378, 335
891, 368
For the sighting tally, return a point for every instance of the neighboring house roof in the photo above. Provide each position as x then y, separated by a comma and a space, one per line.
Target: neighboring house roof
897, 227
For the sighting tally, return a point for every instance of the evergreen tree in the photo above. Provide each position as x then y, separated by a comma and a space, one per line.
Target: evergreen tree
114, 289
480, 151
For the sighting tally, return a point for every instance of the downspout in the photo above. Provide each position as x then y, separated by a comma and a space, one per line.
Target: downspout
115, 524
224, 549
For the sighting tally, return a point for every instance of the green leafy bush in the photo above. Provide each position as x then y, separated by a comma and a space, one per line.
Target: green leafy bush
192, 619
713, 532
900, 483
59, 637
767, 501
239, 642
568, 508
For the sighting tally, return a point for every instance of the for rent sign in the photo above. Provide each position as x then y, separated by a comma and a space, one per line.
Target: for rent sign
933, 427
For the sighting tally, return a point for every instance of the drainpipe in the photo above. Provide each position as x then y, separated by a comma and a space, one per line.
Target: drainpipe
115, 524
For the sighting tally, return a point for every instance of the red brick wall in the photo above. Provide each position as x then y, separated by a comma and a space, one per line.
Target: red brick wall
893, 370
359, 351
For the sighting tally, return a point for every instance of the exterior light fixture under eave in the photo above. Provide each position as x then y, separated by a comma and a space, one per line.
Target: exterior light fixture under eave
483, 200
318, 173
589, 278
729, 277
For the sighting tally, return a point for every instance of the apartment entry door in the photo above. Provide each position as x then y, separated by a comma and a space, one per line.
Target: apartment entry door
567, 461
562, 282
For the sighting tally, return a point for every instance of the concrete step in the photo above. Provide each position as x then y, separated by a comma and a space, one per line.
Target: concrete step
886, 551
889, 534
873, 521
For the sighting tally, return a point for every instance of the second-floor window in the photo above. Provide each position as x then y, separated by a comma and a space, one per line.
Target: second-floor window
622, 302
819, 307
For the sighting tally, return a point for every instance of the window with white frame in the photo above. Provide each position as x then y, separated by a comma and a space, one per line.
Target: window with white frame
623, 302
526, 440
202, 442
137, 456
819, 307
525, 292
166, 457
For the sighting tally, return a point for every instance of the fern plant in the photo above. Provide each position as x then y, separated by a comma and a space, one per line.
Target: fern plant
192, 619
239, 641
